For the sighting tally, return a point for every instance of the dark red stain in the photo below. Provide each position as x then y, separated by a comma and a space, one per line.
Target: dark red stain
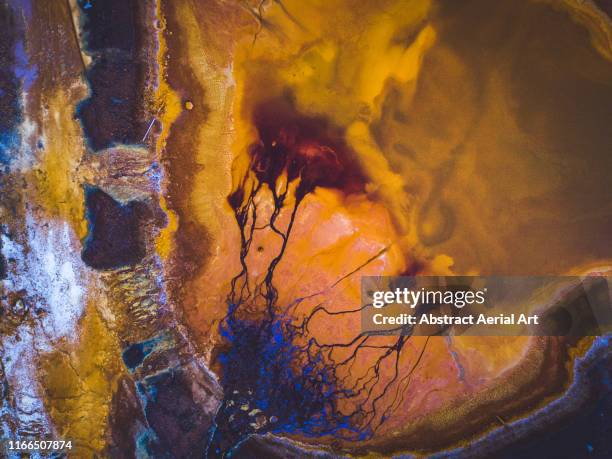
305, 147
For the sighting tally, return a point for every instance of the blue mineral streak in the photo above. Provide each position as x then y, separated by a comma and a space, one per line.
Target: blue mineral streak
135, 354
16, 79
264, 369
10, 138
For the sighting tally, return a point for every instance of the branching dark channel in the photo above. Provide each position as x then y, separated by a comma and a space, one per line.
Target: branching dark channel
277, 377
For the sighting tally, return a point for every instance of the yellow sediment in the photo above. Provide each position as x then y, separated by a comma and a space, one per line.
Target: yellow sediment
212, 138
79, 380
56, 175
338, 66
169, 108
